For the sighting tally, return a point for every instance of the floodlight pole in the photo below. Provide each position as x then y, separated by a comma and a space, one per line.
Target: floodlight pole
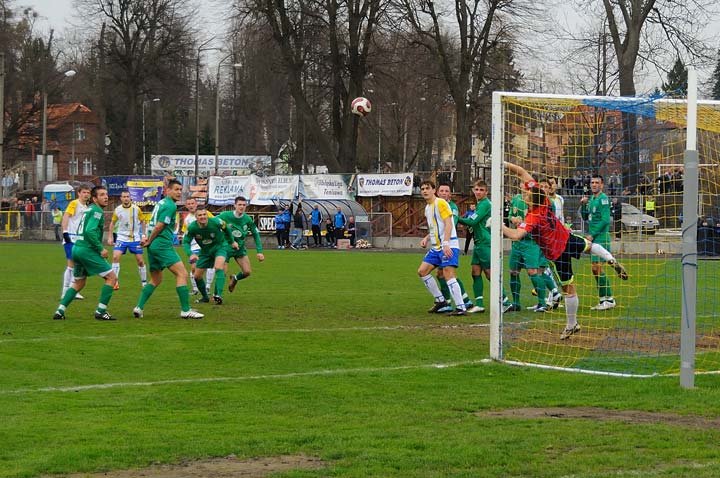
689, 258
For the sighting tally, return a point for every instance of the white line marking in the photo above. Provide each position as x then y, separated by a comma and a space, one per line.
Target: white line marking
315, 373
240, 331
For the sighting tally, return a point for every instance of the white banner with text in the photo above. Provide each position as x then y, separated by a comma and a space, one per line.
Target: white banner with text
384, 184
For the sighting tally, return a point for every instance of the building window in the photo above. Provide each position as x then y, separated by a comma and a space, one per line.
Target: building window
87, 167
73, 167
79, 133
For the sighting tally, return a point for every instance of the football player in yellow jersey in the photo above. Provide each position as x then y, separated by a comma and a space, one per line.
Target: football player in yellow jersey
131, 230
444, 250
70, 222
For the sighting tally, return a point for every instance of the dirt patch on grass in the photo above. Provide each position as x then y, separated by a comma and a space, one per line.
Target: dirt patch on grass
228, 467
602, 414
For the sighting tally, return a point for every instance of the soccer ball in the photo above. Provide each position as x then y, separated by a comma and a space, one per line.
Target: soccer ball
360, 106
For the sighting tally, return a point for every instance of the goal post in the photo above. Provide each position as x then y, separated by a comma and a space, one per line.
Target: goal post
644, 326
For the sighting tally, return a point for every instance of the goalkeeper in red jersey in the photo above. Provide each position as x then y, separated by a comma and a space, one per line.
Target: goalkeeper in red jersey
557, 243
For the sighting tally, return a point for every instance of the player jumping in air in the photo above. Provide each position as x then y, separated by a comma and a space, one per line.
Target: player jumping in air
557, 243
162, 255
88, 255
130, 232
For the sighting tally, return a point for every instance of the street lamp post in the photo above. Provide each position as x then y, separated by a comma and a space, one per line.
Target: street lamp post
379, 160
2, 121
200, 49
144, 147
43, 169
217, 107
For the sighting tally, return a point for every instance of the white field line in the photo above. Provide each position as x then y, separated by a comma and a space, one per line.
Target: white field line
282, 376
241, 332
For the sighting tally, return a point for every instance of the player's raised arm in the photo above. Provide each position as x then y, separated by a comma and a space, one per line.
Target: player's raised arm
519, 171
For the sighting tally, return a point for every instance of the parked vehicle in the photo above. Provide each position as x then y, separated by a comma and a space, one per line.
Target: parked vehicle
634, 220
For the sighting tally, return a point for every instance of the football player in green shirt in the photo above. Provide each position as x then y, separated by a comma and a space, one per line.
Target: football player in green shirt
88, 255
596, 210
162, 255
481, 246
241, 225
213, 237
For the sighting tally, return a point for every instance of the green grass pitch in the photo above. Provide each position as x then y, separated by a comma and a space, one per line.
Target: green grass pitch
325, 353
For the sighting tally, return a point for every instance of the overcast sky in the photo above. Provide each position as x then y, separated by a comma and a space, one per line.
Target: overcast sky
57, 14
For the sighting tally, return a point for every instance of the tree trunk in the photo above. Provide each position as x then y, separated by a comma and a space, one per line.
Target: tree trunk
631, 153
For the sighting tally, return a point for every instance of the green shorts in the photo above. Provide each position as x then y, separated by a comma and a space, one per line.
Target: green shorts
526, 254
206, 260
161, 255
237, 254
481, 256
604, 240
89, 262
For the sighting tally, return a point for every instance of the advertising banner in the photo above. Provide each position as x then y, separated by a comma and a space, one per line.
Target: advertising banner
184, 165
258, 190
223, 191
324, 186
385, 184
145, 192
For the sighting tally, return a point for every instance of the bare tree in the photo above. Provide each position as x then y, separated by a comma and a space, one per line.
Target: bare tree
322, 43
141, 42
463, 49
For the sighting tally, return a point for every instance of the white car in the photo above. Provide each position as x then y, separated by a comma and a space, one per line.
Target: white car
634, 220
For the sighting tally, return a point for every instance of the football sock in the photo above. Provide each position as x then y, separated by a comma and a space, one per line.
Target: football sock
209, 276
67, 279
116, 269
105, 296
192, 281
572, 303
550, 279
142, 270
478, 289
147, 291
538, 281
219, 282
515, 286
68, 297
456, 294
432, 287
444, 288
240, 275
184, 296
202, 288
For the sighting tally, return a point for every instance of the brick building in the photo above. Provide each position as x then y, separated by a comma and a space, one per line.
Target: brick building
72, 146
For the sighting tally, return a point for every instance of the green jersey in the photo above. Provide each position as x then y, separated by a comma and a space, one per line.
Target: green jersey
478, 221
164, 212
455, 211
597, 213
213, 236
91, 229
241, 227
518, 208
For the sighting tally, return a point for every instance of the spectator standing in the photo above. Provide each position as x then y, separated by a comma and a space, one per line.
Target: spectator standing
315, 221
650, 206
351, 230
330, 232
57, 222
280, 229
29, 214
339, 221
616, 213
298, 223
